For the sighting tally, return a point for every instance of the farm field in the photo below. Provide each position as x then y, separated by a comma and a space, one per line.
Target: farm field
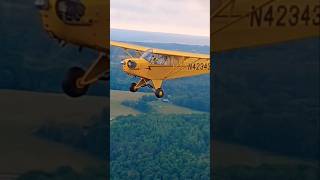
117, 109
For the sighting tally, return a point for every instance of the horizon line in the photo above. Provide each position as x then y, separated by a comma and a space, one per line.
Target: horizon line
204, 36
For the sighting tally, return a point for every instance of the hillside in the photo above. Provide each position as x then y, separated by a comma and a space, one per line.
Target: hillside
130, 35
24, 112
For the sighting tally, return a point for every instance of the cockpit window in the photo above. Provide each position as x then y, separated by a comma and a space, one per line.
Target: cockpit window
147, 55
154, 58
70, 11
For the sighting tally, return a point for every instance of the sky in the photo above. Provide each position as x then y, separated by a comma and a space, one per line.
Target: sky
190, 17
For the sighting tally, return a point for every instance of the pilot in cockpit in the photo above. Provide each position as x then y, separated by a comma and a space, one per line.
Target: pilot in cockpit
154, 59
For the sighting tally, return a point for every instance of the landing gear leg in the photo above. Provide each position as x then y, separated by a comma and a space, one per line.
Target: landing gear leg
157, 87
77, 81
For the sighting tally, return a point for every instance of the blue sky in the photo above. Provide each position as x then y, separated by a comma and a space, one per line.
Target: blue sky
170, 16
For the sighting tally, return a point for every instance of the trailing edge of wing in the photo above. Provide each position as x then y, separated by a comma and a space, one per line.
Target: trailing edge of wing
159, 51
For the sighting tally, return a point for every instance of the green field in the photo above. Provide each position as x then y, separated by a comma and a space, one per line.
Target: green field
23, 112
117, 109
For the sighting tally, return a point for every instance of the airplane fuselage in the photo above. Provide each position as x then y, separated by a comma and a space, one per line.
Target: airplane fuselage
83, 23
168, 70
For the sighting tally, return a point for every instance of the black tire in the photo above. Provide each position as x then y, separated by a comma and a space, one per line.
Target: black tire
69, 84
132, 87
159, 93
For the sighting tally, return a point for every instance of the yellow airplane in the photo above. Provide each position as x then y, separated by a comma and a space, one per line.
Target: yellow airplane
84, 23
153, 66
250, 23
234, 24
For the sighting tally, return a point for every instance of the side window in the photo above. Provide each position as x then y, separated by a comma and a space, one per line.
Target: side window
147, 55
70, 11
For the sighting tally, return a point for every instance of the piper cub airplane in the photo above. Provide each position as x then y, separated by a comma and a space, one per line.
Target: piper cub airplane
84, 23
153, 66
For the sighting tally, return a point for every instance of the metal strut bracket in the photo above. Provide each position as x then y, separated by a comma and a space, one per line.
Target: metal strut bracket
143, 82
97, 70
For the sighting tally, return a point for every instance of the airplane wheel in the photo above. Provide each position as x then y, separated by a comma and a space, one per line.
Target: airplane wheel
69, 84
132, 87
159, 93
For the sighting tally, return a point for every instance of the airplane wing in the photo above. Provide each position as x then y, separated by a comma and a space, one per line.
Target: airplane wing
158, 51
128, 46
249, 23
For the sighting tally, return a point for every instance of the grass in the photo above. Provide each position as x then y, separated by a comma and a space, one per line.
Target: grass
167, 108
117, 109
117, 97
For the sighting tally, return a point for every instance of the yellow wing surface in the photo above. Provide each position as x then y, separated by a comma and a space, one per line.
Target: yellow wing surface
159, 51
248, 23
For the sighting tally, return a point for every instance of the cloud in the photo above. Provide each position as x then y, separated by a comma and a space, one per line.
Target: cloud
172, 16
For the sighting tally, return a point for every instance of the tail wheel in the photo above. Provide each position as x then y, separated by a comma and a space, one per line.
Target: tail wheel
70, 83
133, 87
159, 93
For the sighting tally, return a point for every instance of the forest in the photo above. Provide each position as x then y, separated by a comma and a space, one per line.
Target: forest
156, 146
147, 146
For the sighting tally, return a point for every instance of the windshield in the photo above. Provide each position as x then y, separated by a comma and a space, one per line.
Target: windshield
147, 55
154, 58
